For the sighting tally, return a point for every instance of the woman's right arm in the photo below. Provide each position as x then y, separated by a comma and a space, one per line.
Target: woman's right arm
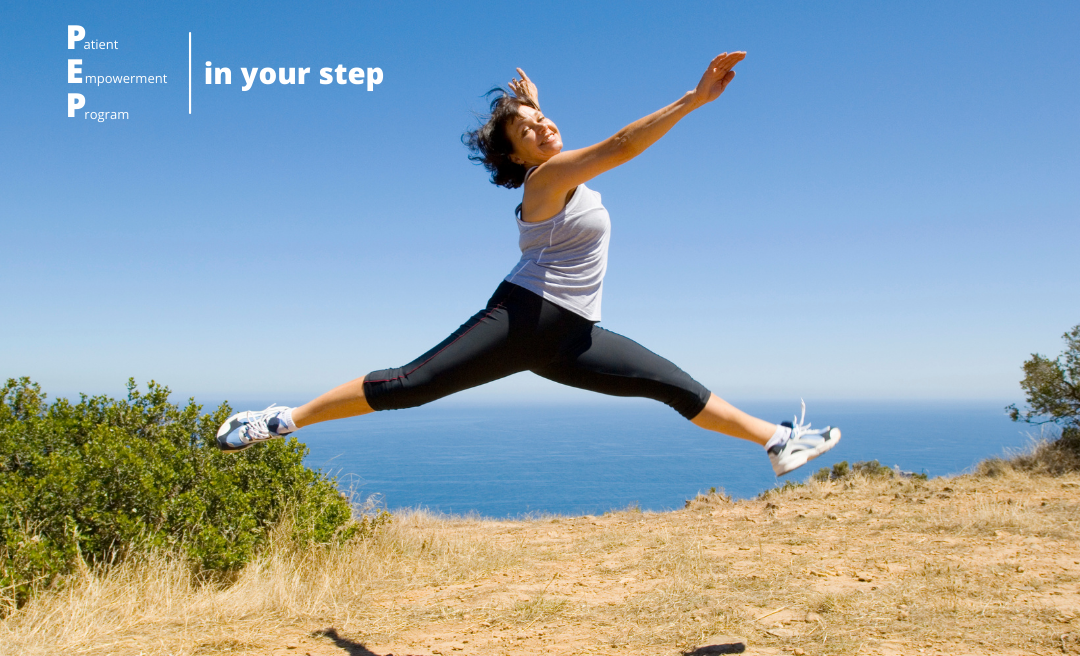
553, 179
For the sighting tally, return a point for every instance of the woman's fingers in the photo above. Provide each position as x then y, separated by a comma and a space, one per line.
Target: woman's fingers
721, 65
726, 61
732, 59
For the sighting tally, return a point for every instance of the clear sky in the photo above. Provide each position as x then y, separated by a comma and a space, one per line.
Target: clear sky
885, 204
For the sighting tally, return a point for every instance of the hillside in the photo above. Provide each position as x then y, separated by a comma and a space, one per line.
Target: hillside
969, 565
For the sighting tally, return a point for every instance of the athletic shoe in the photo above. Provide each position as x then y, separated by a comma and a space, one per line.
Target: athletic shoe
246, 428
803, 446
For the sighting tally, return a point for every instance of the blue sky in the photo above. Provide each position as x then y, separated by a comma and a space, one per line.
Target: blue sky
883, 205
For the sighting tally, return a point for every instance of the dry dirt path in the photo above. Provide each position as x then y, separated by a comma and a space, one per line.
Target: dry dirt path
948, 566
960, 566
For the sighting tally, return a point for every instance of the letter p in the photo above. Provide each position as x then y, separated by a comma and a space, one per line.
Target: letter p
75, 101
75, 33
374, 76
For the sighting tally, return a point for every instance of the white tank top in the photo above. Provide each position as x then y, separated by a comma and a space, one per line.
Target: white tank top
564, 258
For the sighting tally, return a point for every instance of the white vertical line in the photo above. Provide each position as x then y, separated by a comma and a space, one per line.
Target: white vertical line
189, 72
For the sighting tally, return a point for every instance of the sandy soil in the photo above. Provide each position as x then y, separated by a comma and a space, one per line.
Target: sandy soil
947, 566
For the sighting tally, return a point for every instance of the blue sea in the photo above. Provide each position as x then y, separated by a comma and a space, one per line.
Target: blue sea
510, 461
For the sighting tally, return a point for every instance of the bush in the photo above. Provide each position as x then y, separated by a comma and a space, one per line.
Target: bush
866, 469
1053, 457
1052, 388
788, 486
103, 478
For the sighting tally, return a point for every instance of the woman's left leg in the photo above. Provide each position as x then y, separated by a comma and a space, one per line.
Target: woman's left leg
606, 362
720, 416
612, 364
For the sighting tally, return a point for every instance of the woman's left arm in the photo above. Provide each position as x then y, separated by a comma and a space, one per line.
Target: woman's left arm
568, 169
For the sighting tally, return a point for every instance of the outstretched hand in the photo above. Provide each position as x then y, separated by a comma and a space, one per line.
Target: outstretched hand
525, 89
717, 76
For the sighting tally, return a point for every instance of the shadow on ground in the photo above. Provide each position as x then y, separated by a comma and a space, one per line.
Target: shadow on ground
350, 647
719, 645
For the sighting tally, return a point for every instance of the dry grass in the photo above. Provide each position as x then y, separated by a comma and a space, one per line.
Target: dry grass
861, 565
153, 605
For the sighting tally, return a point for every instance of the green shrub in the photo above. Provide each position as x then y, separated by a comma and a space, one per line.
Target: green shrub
780, 490
103, 478
1052, 388
866, 468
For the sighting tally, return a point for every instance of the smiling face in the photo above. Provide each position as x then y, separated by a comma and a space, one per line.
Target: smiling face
535, 137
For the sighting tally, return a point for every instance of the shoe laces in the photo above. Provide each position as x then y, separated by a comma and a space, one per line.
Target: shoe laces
255, 428
798, 428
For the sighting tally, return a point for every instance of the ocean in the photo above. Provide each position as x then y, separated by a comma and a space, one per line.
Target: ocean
511, 461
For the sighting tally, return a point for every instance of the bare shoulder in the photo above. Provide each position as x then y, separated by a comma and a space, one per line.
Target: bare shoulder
546, 192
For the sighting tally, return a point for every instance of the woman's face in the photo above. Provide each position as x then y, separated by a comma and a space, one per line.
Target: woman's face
535, 137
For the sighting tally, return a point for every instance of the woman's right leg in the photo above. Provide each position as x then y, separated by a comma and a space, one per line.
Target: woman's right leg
478, 352
343, 401
494, 343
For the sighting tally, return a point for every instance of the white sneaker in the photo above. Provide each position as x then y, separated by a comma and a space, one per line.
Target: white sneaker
803, 446
246, 428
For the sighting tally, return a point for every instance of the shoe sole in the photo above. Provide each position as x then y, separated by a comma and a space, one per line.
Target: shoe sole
231, 424
808, 455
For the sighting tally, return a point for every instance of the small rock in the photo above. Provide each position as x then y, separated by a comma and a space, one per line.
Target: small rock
830, 516
798, 652
904, 614
1020, 568
781, 633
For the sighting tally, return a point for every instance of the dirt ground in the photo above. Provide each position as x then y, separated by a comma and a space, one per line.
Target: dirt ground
961, 566
967, 565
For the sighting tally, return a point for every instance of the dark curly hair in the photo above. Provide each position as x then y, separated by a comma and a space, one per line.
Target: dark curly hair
490, 144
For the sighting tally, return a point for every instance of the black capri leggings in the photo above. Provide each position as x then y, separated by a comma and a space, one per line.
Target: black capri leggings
519, 331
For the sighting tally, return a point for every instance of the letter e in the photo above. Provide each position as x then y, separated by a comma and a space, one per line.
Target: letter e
74, 70
356, 75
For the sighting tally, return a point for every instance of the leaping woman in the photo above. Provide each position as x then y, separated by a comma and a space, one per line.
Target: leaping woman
543, 317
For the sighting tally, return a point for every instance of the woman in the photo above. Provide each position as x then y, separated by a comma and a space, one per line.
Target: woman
543, 316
